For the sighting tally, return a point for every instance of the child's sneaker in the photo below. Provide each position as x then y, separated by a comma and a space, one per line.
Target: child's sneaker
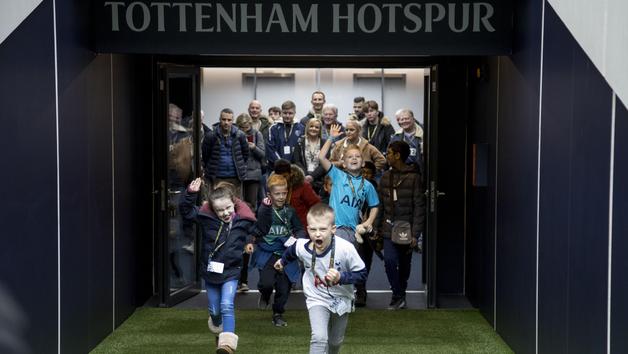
262, 303
242, 288
278, 320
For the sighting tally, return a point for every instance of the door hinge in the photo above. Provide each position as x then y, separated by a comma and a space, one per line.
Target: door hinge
433, 86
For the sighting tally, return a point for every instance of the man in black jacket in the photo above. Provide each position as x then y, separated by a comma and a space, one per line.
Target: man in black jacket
225, 153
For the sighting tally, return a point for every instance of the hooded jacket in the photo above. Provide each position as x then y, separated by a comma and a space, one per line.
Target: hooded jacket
211, 151
410, 203
227, 242
301, 194
369, 153
380, 134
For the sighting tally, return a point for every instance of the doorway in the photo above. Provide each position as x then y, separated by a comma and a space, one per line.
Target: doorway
242, 83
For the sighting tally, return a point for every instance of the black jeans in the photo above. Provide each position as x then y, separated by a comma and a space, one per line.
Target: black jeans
270, 278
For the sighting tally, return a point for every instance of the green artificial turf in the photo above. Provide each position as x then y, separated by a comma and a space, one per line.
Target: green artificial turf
155, 330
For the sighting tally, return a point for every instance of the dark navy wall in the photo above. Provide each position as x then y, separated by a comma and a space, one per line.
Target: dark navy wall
104, 146
573, 223
575, 167
619, 270
517, 137
481, 199
28, 258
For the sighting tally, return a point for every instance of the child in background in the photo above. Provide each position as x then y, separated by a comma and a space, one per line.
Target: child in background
332, 266
326, 190
226, 224
366, 248
278, 227
350, 191
274, 114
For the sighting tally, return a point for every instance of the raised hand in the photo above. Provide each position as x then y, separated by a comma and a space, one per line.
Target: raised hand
334, 130
195, 185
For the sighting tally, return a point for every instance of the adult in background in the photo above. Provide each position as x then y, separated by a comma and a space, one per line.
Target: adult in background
258, 121
330, 117
226, 153
306, 154
369, 152
251, 184
377, 128
318, 101
412, 133
358, 109
283, 136
402, 200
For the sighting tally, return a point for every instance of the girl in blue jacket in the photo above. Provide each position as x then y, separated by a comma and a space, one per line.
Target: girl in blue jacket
225, 222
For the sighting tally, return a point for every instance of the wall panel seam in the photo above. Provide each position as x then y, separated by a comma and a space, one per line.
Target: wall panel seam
610, 222
538, 181
54, 24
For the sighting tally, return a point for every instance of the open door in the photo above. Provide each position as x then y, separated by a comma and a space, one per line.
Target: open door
177, 162
431, 190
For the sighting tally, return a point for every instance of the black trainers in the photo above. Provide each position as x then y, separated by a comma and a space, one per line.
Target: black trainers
397, 304
262, 303
360, 298
242, 288
278, 320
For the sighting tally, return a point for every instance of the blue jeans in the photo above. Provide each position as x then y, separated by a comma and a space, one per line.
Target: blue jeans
397, 261
220, 304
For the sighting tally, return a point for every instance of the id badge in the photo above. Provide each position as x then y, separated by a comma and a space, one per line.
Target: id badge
286, 150
289, 242
340, 306
412, 151
215, 267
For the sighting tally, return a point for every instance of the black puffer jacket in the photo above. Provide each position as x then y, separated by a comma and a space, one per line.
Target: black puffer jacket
410, 203
381, 133
211, 151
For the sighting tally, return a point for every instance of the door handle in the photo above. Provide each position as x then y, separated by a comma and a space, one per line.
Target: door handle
433, 194
173, 192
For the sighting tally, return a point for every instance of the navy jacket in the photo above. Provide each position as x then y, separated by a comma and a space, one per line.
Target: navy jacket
234, 238
211, 151
277, 141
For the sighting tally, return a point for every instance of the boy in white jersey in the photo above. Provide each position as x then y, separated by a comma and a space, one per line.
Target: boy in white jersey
332, 266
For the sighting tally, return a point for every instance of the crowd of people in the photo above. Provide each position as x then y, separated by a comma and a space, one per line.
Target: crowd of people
308, 200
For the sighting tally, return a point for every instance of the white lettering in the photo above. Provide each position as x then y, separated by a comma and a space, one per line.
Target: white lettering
200, 16
160, 14
377, 20
312, 18
222, 15
452, 18
429, 18
392, 18
418, 23
182, 9
485, 19
337, 17
245, 17
145, 16
280, 19
115, 25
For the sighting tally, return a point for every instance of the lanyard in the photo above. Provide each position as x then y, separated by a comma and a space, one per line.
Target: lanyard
218, 237
285, 222
288, 132
331, 258
369, 133
352, 188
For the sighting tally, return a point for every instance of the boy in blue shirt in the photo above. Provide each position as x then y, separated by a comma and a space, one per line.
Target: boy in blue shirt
350, 191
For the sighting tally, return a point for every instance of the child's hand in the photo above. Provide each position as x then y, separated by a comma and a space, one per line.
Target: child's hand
195, 185
278, 265
266, 201
332, 277
308, 179
334, 130
249, 248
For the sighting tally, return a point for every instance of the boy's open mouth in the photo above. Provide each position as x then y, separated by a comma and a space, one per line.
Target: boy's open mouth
318, 242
